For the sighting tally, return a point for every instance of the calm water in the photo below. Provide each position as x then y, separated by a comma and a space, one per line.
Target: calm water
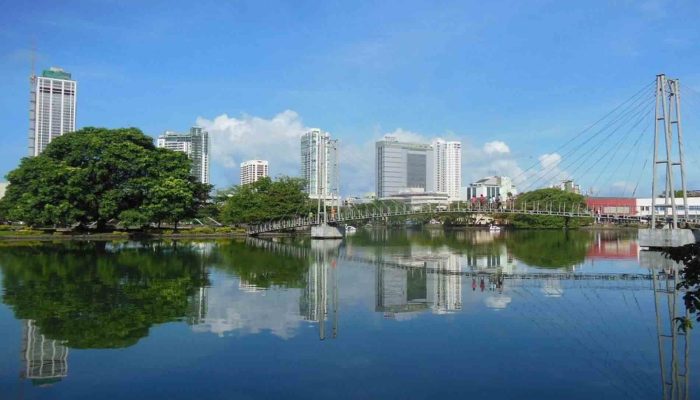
383, 314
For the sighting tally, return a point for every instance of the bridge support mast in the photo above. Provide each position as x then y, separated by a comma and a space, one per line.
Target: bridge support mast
667, 122
667, 117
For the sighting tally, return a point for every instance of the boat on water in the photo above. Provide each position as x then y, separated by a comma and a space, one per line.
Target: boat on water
494, 228
349, 229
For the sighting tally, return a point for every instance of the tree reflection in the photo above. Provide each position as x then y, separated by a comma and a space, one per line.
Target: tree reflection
258, 266
550, 249
92, 295
689, 256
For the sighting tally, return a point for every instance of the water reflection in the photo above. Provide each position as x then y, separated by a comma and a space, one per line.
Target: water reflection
245, 306
45, 361
673, 342
110, 295
98, 295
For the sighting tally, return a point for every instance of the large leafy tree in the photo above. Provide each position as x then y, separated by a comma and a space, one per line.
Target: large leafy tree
549, 199
97, 174
265, 200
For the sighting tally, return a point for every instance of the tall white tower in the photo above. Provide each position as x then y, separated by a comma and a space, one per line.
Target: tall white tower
319, 164
51, 107
195, 144
447, 168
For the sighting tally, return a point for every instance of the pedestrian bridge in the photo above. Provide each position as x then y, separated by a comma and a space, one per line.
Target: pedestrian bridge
351, 214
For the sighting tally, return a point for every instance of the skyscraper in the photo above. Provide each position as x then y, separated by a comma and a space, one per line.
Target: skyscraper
402, 166
252, 170
319, 164
447, 168
195, 144
51, 107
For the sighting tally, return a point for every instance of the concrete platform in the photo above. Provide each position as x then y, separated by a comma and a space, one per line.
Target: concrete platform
325, 231
659, 238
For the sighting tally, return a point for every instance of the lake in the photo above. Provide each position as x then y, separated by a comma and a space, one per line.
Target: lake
392, 314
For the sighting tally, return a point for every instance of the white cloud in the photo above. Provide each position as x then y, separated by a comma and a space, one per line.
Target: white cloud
408, 136
548, 161
233, 311
496, 147
550, 172
234, 140
490, 159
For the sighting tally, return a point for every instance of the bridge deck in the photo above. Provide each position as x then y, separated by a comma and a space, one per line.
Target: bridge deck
351, 215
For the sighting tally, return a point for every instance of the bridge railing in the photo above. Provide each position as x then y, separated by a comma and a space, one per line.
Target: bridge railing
349, 214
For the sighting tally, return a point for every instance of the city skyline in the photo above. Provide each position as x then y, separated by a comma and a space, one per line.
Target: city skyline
479, 82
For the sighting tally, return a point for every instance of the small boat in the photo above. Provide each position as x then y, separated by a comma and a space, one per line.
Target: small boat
494, 228
350, 229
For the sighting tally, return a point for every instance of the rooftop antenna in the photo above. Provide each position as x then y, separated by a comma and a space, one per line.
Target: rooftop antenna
33, 57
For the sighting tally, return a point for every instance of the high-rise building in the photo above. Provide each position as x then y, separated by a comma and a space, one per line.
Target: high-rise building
319, 164
51, 107
252, 170
195, 144
402, 166
447, 168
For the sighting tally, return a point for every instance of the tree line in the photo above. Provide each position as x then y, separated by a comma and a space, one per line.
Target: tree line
98, 177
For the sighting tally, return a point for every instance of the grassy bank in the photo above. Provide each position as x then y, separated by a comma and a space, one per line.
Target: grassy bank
11, 233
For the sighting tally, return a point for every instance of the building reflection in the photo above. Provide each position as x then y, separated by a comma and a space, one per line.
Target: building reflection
613, 246
401, 291
44, 360
319, 298
237, 305
410, 288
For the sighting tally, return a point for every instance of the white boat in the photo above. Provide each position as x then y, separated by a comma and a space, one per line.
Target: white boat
349, 229
494, 228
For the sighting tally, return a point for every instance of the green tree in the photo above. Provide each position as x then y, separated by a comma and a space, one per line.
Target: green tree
265, 200
97, 174
549, 199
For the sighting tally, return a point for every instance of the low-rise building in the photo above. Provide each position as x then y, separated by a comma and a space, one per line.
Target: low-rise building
612, 205
640, 207
663, 206
416, 199
568, 185
490, 187
356, 200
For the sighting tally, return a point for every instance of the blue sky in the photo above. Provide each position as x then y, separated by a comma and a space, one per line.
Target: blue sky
528, 74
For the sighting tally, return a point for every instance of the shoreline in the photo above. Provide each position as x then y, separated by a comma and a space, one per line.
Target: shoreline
241, 235
113, 236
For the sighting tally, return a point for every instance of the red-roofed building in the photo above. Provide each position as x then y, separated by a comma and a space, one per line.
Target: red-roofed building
612, 205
